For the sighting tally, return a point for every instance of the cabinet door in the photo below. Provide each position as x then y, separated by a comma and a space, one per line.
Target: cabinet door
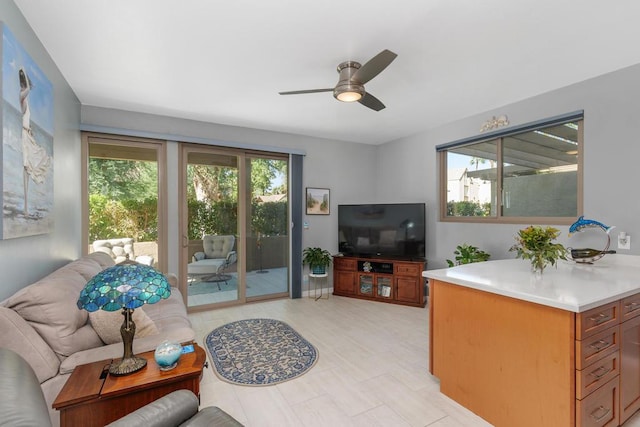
344, 282
384, 287
408, 289
365, 284
630, 368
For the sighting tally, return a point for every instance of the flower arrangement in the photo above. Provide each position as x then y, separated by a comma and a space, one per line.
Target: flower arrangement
535, 243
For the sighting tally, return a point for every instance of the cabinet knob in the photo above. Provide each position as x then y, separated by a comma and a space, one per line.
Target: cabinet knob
600, 345
602, 410
632, 307
600, 318
600, 372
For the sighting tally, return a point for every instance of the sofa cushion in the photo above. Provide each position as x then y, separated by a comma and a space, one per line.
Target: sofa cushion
16, 334
49, 305
107, 325
102, 259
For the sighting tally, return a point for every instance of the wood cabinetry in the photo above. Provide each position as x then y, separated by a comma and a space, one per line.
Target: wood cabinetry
608, 363
630, 357
598, 366
90, 397
393, 281
540, 365
344, 276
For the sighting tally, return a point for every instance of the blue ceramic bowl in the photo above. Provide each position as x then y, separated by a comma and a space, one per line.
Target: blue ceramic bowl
167, 355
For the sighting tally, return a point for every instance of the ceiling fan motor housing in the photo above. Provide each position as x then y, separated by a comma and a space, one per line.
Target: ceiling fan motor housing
347, 89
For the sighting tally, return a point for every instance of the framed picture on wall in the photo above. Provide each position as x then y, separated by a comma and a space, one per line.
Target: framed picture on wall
26, 160
317, 201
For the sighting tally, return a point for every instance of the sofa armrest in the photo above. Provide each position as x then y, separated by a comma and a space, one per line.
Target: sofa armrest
212, 416
198, 256
232, 257
23, 402
170, 410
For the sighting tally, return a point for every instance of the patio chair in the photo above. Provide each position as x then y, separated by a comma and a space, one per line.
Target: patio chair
217, 256
120, 250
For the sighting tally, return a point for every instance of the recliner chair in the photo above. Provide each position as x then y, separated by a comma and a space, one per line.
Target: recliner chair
23, 403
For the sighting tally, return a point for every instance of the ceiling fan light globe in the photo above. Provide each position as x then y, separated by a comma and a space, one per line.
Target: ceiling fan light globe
349, 96
348, 92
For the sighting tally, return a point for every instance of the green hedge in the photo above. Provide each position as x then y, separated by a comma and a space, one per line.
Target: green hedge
468, 209
110, 219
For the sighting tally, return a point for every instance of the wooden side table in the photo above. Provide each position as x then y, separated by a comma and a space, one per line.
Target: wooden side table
92, 397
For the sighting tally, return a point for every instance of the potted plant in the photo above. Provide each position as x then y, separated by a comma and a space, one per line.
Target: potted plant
467, 254
536, 243
317, 259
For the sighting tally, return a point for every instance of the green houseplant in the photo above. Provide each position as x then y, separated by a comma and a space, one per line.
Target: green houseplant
467, 254
317, 259
536, 243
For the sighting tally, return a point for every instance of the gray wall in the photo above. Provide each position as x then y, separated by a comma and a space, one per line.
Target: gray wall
24, 260
611, 105
399, 171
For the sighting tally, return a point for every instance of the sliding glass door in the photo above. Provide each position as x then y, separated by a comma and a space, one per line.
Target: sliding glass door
267, 225
211, 244
236, 226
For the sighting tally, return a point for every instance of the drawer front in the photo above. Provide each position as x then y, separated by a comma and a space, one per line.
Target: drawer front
600, 408
595, 320
407, 269
340, 263
597, 346
593, 376
630, 307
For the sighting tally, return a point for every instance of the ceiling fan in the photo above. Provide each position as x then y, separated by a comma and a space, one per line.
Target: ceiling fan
353, 76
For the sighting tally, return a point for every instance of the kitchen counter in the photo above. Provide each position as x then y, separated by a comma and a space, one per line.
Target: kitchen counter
522, 350
570, 286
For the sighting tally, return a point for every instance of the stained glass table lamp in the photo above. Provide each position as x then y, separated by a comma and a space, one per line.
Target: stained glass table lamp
125, 286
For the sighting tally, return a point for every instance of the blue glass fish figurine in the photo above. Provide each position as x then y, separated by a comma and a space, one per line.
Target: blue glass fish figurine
582, 223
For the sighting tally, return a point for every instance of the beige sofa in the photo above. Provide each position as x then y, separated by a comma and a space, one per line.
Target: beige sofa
42, 323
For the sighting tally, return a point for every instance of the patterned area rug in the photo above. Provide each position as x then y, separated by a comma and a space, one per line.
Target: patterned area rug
259, 352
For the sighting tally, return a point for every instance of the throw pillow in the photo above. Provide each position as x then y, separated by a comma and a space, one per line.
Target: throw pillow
107, 325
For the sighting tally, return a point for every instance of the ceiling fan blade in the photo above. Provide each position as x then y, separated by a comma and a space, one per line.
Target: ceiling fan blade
298, 92
372, 102
374, 66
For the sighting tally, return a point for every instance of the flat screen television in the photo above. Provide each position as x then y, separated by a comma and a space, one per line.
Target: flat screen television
382, 230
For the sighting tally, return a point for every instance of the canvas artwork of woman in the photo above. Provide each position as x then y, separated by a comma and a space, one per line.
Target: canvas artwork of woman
36, 162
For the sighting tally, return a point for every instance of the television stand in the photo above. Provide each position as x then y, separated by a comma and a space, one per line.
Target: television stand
393, 281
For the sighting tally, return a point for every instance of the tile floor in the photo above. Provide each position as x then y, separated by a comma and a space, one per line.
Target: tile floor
372, 369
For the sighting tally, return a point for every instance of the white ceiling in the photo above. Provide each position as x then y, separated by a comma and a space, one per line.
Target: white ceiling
226, 61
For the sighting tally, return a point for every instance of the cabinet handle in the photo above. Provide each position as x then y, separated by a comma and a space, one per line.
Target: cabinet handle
600, 345
632, 307
605, 412
600, 372
600, 318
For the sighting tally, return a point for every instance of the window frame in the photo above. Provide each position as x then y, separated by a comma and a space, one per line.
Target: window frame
499, 135
121, 144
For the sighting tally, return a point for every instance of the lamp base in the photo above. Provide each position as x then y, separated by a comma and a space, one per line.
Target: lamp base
127, 366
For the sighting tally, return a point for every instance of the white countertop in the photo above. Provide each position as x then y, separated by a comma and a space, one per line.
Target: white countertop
570, 286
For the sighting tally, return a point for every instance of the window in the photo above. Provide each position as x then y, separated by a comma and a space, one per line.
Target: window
124, 197
531, 173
